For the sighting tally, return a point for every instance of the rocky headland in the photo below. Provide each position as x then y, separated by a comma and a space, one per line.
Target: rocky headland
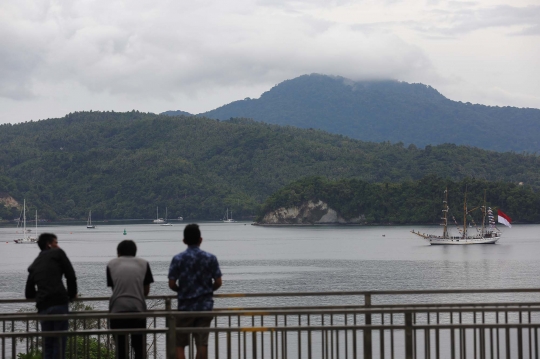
308, 213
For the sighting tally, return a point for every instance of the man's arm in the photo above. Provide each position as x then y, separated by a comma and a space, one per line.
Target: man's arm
172, 285
217, 283
110, 282
71, 279
148, 278
173, 275
30, 290
216, 275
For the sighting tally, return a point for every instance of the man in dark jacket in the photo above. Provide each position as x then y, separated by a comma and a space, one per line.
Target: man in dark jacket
51, 296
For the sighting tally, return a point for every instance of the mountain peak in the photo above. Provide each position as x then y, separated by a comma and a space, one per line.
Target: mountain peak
317, 82
388, 110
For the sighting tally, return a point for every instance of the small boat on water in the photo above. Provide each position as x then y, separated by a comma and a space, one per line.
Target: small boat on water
228, 219
166, 224
26, 239
158, 220
89, 221
488, 233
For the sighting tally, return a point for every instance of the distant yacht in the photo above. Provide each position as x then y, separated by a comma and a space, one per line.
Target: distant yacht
158, 220
89, 221
166, 224
26, 239
228, 219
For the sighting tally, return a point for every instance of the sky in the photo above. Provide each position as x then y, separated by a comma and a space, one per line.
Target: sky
62, 56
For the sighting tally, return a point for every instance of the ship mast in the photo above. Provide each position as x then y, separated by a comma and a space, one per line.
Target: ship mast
465, 215
445, 211
484, 211
24, 218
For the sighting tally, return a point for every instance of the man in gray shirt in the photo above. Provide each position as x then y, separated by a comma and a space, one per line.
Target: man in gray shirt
130, 279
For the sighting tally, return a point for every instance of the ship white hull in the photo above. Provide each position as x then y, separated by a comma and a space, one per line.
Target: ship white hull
28, 240
491, 238
461, 241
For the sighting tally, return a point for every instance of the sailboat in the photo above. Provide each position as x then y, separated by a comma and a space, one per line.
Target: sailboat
228, 219
20, 223
158, 220
26, 239
89, 221
487, 234
166, 224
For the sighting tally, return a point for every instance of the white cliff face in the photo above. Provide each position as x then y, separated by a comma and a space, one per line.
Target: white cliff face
308, 213
8, 201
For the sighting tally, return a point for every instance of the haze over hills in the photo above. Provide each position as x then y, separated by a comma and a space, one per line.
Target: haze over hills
392, 111
123, 165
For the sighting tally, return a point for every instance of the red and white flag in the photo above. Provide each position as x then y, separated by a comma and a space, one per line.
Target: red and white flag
504, 219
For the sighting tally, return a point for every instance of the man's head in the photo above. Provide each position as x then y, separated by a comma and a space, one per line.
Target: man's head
192, 235
47, 241
126, 248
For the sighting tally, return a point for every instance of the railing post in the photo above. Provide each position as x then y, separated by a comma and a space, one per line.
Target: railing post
408, 336
368, 352
171, 336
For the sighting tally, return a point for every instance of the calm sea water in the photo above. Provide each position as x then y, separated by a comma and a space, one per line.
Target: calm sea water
275, 259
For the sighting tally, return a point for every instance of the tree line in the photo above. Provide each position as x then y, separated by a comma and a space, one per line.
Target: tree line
409, 202
123, 165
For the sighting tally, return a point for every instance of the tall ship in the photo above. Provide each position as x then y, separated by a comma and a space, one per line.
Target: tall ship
487, 233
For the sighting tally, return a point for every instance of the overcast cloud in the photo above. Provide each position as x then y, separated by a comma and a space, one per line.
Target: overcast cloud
58, 57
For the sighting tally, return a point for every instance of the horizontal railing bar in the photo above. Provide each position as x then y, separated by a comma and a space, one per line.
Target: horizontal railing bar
476, 326
196, 330
269, 312
83, 333
272, 329
389, 306
482, 307
318, 294
379, 292
395, 310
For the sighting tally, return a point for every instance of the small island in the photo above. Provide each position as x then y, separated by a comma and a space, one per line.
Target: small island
318, 201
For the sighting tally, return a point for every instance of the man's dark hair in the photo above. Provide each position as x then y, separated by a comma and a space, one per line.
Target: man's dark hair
126, 248
192, 234
45, 239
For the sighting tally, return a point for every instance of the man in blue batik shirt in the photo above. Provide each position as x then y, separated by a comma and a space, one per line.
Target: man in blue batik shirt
194, 274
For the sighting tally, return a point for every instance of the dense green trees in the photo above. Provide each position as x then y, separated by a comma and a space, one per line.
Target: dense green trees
123, 165
410, 201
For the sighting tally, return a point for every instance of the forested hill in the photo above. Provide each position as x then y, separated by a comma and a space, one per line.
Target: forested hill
408, 202
176, 113
389, 111
123, 165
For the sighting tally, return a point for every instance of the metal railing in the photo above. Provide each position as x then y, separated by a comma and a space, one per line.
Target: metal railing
500, 323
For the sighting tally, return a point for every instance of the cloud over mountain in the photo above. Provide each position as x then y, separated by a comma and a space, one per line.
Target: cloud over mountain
58, 56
